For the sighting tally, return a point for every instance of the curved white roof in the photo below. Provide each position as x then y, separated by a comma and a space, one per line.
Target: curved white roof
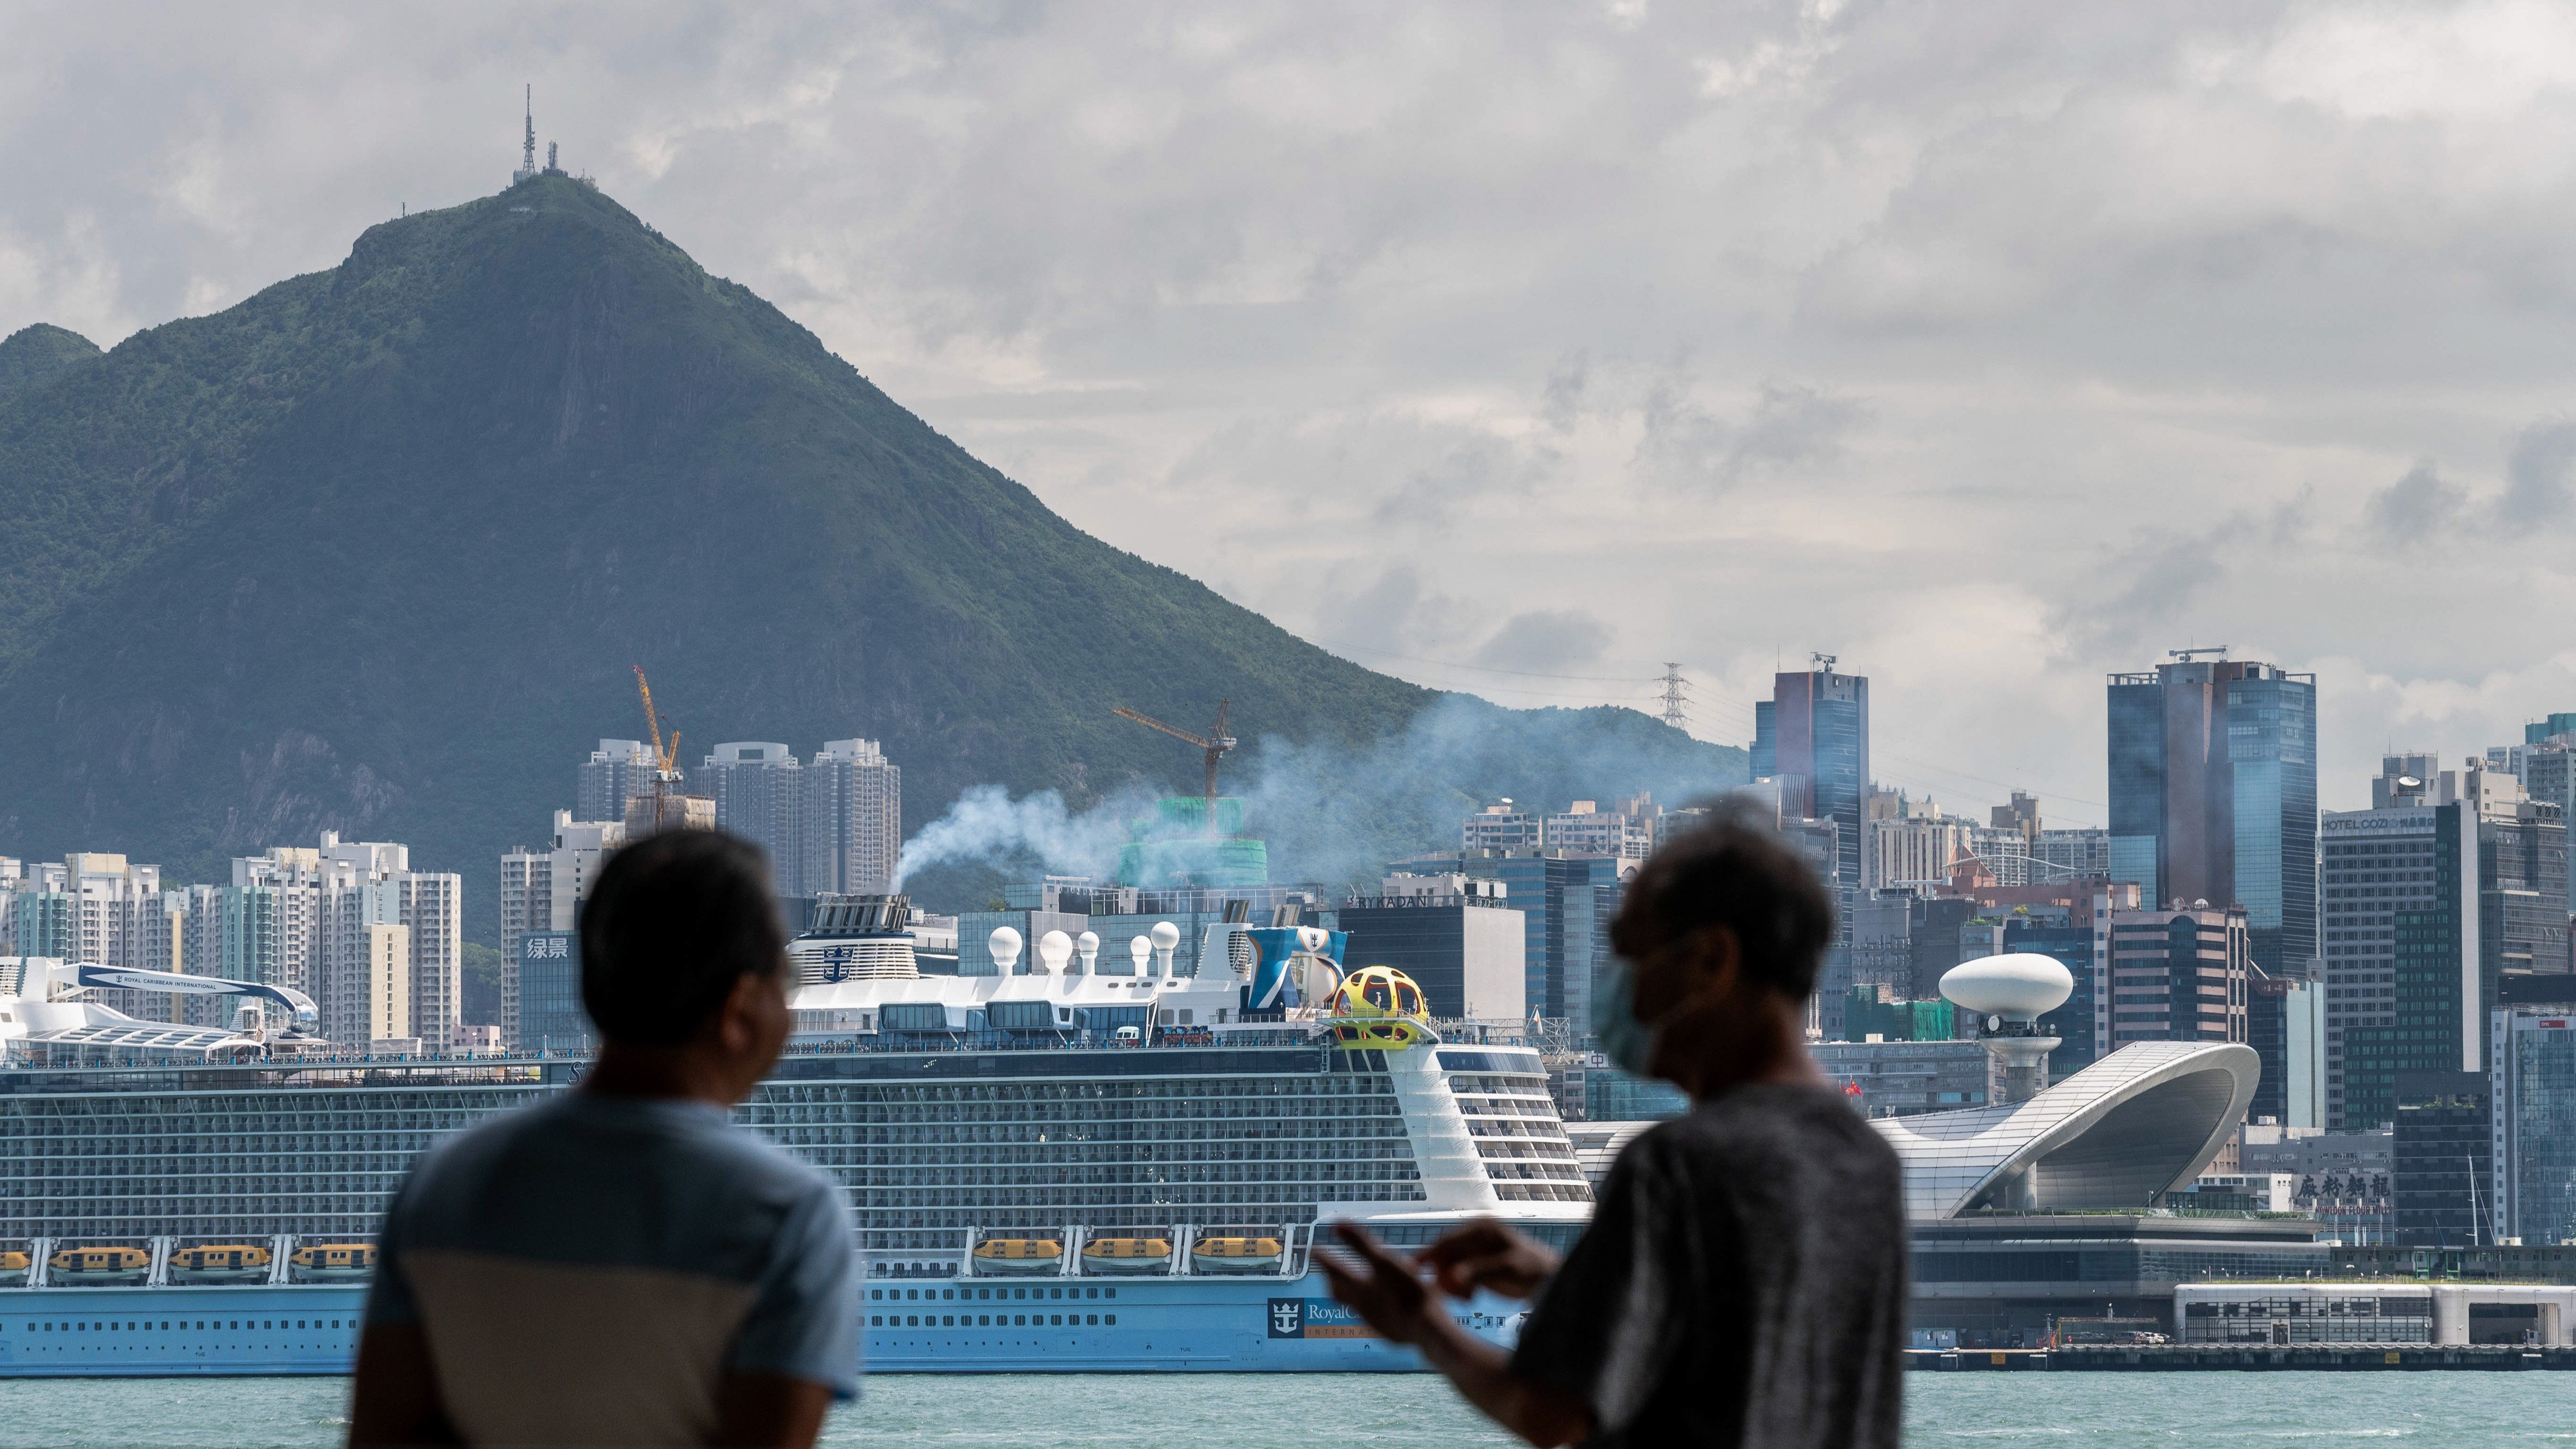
2141, 1122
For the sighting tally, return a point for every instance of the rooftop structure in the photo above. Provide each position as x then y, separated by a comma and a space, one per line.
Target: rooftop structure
2123, 1132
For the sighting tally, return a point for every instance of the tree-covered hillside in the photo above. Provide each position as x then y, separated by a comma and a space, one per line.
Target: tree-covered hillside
375, 551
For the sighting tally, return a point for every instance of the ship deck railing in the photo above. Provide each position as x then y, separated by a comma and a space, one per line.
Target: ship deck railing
1298, 1035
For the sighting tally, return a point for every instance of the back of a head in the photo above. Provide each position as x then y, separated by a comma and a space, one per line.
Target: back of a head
1734, 871
673, 921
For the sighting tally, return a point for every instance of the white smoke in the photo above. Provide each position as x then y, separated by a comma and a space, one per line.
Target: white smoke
987, 825
1336, 812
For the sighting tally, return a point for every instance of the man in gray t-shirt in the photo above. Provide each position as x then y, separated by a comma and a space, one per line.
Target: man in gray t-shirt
1743, 1279
622, 1264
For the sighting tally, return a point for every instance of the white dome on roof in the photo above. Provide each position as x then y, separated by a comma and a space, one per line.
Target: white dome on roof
2019, 985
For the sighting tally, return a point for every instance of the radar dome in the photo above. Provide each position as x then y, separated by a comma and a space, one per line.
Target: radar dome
1055, 948
1166, 935
2019, 985
1005, 945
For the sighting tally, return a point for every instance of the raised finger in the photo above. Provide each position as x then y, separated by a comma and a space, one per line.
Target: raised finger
1368, 1247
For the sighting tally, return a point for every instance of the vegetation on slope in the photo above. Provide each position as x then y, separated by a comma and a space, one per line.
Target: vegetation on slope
375, 550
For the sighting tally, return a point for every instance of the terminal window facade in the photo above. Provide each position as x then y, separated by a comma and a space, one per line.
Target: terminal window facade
2357, 1317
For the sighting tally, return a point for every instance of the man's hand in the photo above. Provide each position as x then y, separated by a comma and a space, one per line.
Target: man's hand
1388, 1292
1486, 1254
1381, 1288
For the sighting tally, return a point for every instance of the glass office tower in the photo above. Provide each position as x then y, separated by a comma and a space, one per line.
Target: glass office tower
1813, 735
2213, 773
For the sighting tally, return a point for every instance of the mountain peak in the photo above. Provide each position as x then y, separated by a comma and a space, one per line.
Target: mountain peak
35, 355
376, 550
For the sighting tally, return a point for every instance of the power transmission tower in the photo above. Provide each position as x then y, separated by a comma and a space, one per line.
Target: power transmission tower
1675, 701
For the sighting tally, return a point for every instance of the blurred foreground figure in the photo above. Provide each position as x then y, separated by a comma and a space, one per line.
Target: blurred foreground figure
1743, 1280
622, 1264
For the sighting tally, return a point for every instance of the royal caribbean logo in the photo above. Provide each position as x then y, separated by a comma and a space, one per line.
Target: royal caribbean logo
1315, 1318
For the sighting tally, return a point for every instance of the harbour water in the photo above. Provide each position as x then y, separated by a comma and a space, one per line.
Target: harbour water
1290, 1411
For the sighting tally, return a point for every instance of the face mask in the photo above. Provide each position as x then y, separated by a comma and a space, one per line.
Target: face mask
1628, 1042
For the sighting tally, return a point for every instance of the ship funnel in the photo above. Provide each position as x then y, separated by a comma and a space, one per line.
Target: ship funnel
1087, 946
1006, 950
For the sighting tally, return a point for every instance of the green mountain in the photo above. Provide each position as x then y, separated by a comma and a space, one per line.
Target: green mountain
375, 550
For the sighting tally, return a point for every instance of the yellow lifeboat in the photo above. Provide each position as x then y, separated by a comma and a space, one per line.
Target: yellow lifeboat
1235, 1255
1378, 1007
1001, 1257
324, 1262
13, 1268
1126, 1255
220, 1263
98, 1265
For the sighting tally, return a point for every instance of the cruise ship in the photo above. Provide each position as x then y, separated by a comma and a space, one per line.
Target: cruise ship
1074, 1165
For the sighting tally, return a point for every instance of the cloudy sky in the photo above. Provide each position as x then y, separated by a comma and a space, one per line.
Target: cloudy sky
1522, 348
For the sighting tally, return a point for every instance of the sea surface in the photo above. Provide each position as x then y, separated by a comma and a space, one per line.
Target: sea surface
1256, 1411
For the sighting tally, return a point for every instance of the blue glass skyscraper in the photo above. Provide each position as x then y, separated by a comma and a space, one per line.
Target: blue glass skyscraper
2213, 772
1813, 736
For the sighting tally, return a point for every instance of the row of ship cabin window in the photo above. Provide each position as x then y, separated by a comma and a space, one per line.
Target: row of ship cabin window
991, 1320
953, 1294
183, 1324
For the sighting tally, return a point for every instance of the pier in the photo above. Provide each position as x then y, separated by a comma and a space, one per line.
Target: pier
2202, 1357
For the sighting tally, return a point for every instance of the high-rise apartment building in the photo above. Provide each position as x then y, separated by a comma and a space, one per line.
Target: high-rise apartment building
2213, 767
2072, 854
94, 906
307, 913
853, 820
1629, 830
759, 790
1626, 831
615, 773
1914, 845
542, 890
1502, 828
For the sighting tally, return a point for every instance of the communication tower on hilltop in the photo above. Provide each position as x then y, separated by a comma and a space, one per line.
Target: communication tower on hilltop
1676, 712
528, 153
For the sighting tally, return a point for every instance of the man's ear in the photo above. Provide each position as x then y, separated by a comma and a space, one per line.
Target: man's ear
734, 1023
1719, 960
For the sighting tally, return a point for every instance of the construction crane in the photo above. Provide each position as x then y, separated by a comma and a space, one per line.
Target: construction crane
666, 763
666, 760
1215, 743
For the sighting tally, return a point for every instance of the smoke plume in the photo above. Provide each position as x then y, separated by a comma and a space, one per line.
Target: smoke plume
1335, 813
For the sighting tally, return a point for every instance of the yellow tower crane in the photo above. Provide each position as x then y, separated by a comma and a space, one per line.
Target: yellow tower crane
666, 761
